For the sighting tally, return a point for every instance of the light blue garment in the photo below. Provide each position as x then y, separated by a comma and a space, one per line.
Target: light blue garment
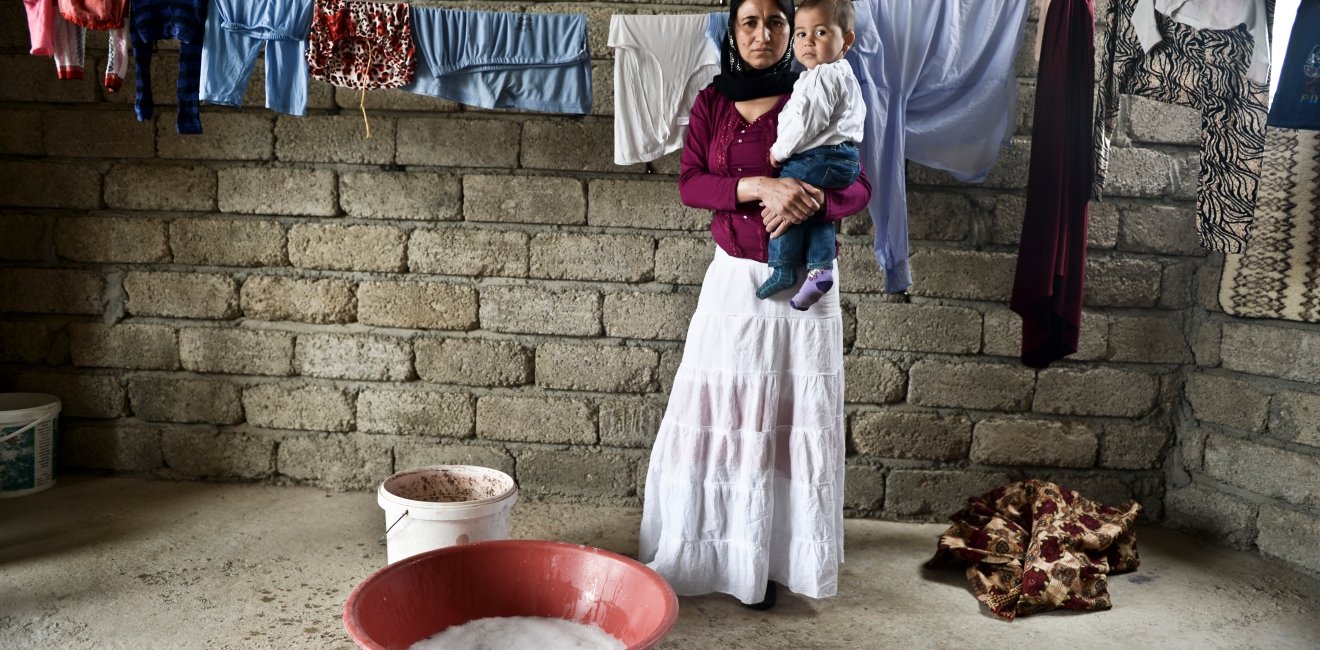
938, 80
719, 25
537, 62
236, 30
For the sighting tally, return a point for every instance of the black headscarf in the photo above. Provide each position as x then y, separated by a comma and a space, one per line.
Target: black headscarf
739, 81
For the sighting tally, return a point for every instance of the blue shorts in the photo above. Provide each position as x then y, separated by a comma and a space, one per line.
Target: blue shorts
236, 30
535, 62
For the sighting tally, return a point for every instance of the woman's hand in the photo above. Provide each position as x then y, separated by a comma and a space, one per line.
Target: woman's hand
790, 203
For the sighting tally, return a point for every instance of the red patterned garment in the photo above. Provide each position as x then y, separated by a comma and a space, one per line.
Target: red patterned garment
358, 44
1034, 546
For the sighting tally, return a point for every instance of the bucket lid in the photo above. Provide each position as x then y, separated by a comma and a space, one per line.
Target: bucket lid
22, 408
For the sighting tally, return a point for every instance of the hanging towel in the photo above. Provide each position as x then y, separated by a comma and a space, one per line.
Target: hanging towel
535, 62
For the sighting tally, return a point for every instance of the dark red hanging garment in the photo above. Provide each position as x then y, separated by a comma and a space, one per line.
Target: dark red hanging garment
1051, 265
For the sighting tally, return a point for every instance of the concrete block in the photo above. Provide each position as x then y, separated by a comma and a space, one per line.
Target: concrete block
533, 310
973, 385
278, 190
918, 328
307, 300
126, 345
641, 204
391, 99
1290, 536
118, 446
236, 351
602, 87
1283, 352
1178, 284
1139, 173
1011, 209
415, 413
225, 136
1033, 442
169, 398
607, 369
1207, 283
535, 419
943, 216
921, 436
1096, 391
248, 242
112, 239
446, 142
93, 134
582, 145
421, 453
309, 408
203, 453
23, 235
936, 494
1206, 345
864, 487
969, 275
32, 79
22, 342
683, 260
23, 137
1290, 475
1148, 339
577, 475
81, 395
401, 195
630, 422
1134, 446
669, 361
1003, 335
1160, 229
354, 356
858, 270
471, 252
524, 199
473, 362
164, 187
347, 248
47, 185
353, 462
649, 315
334, 139
1122, 282
417, 305
1296, 417
181, 295
1227, 401
572, 256
1154, 121
50, 291
873, 380
1210, 514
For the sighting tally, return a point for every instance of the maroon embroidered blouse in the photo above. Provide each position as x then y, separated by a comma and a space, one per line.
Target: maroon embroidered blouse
721, 147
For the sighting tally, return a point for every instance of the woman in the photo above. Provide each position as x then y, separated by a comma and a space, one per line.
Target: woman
745, 487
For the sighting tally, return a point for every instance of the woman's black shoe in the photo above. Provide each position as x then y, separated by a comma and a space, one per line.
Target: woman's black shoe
767, 602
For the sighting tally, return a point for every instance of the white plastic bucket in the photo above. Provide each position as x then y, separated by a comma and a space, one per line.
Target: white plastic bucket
29, 423
444, 505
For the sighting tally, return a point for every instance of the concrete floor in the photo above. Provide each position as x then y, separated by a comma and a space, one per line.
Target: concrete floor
127, 563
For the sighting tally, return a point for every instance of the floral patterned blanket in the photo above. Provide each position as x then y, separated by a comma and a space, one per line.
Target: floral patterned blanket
1034, 546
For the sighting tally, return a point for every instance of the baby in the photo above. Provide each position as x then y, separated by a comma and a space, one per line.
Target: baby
819, 129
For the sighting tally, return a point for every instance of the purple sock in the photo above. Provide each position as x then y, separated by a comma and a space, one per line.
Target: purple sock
818, 282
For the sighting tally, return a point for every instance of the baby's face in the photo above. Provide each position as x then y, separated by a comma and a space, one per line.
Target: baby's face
817, 39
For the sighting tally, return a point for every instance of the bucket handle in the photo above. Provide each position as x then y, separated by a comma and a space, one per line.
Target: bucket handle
391, 527
25, 429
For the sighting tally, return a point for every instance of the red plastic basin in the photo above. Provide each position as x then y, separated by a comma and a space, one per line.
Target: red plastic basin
417, 597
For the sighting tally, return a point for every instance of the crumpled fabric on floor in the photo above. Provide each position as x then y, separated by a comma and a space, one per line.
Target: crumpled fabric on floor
1035, 546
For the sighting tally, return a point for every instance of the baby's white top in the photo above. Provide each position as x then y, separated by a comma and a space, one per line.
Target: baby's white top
826, 108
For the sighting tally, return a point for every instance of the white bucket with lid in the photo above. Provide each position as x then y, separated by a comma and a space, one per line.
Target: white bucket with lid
444, 505
29, 423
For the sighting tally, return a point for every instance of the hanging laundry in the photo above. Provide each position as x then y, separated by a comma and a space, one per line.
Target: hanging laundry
157, 20
660, 64
1034, 546
535, 62
938, 80
94, 14
1209, 14
363, 45
59, 30
41, 19
236, 31
1285, 13
1206, 69
1048, 285
1296, 103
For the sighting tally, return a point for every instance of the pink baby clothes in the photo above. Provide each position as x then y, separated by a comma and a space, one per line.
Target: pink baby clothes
69, 46
41, 16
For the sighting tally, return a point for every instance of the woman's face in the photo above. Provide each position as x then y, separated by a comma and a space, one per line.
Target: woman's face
761, 33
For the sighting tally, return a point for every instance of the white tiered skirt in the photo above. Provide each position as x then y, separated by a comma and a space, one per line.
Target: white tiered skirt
745, 481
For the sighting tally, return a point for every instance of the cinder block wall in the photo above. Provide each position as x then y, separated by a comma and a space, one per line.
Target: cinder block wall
285, 301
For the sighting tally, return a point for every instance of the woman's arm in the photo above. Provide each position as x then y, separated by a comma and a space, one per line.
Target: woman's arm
697, 187
839, 203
